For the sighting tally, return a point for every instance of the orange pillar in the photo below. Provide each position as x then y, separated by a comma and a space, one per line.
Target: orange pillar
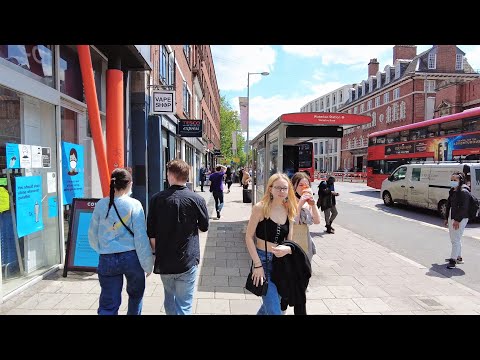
115, 125
94, 115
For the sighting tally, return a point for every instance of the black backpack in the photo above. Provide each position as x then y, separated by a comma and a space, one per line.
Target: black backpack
473, 207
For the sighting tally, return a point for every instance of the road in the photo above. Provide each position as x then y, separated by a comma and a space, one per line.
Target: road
414, 233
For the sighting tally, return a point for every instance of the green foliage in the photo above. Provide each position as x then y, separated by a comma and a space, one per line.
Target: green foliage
229, 124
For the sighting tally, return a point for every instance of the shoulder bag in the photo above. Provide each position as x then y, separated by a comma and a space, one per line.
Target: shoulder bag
260, 289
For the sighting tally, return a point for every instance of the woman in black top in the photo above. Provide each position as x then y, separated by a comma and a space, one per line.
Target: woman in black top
271, 224
228, 177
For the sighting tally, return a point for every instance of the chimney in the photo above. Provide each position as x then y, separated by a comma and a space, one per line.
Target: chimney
406, 52
373, 67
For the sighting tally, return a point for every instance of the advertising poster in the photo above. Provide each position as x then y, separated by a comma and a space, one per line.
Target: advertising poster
13, 156
441, 148
36, 156
25, 156
84, 254
52, 207
29, 204
72, 171
46, 157
51, 182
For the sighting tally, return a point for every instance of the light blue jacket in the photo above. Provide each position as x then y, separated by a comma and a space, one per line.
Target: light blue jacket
108, 236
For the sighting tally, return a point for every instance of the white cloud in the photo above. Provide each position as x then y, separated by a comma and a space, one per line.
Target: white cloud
340, 54
234, 62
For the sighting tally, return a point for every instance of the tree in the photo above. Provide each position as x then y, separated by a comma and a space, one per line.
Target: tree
230, 124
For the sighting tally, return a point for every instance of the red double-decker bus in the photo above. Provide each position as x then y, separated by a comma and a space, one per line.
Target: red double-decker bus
450, 137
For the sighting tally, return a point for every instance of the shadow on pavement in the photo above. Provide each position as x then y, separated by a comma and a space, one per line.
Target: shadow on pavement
420, 214
370, 193
437, 269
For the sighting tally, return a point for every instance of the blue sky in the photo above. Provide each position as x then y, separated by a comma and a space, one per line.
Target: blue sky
298, 73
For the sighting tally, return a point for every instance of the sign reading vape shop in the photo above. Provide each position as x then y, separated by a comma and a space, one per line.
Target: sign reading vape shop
72, 171
28, 190
163, 102
80, 256
190, 128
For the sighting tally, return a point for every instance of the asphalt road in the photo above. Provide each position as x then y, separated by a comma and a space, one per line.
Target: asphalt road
414, 233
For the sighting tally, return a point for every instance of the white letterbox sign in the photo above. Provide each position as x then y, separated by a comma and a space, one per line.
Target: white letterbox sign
163, 102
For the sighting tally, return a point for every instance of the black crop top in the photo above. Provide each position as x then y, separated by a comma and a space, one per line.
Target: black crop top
272, 230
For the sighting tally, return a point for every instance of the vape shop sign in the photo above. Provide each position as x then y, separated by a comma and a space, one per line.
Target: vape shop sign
190, 128
163, 102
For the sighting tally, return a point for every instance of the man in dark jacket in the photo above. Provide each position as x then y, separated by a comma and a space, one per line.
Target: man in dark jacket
291, 275
457, 216
327, 203
175, 215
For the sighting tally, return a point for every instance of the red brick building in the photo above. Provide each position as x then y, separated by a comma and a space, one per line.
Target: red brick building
406, 92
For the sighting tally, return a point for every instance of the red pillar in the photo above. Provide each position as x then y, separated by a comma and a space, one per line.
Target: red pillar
94, 115
115, 124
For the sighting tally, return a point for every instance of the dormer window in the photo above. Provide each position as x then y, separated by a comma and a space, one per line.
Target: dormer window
459, 62
387, 75
432, 61
397, 71
379, 79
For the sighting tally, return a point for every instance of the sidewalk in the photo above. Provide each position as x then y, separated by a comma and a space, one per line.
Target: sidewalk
351, 275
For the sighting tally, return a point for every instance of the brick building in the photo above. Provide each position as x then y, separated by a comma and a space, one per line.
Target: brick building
404, 93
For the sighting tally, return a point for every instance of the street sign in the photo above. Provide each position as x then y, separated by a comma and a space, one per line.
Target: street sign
163, 102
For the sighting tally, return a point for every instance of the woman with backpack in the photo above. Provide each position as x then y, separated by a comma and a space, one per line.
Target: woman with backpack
457, 215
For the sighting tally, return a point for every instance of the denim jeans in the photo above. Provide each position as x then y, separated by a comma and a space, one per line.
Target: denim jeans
178, 290
271, 301
111, 269
218, 196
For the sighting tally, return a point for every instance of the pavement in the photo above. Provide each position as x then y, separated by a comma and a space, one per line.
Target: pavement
351, 275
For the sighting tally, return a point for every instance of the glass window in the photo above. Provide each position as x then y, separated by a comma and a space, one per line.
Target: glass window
400, 173
186, 51
393, 137
163, 64
432, 60
70, 75
451, 127
432, 131
186, 99
34, 61
69, 125
273, 150
416, 134
99, 65
404, 135
471, 125
416, 174
372, 140
380, 139
459, 62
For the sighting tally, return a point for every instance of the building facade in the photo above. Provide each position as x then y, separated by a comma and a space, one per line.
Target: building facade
47, 150
189, 70
327, 151
402, 93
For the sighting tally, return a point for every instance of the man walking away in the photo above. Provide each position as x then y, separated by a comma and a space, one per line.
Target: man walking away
457, 216
202, 175
174, 218
216, 188
327, 202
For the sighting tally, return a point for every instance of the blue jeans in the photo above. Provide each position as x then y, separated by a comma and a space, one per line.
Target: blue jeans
218, 196
271, 301
111, 268
178, 290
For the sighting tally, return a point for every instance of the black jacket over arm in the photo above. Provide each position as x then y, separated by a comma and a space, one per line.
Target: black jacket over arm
291, 274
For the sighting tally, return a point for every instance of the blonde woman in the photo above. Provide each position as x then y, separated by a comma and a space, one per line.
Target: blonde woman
271, 224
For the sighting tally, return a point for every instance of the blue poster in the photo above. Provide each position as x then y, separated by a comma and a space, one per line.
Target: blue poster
72, 171
28, 193
84, 254
13, 156
52, 207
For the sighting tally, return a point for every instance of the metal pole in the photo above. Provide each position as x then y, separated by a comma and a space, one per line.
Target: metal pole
248, 115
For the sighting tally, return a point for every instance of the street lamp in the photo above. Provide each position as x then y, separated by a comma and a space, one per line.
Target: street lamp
265, 73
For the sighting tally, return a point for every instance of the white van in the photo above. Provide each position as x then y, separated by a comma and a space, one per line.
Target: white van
427, 185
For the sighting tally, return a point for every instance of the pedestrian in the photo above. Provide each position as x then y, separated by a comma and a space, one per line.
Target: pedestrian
308, 214
246, 178
327, 202
120, 237
457, 215
175, 215
270, 225
228, 177
202, 175
240, 176
216, 187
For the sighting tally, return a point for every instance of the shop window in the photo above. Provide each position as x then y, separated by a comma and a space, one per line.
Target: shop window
34, 61
70, 75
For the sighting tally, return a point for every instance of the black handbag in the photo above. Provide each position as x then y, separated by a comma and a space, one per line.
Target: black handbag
260, 289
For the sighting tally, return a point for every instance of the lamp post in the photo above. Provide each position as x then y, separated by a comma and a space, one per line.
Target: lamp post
265, 73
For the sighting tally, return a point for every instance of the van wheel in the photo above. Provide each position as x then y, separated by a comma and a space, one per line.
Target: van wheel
387, 198
442, 209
